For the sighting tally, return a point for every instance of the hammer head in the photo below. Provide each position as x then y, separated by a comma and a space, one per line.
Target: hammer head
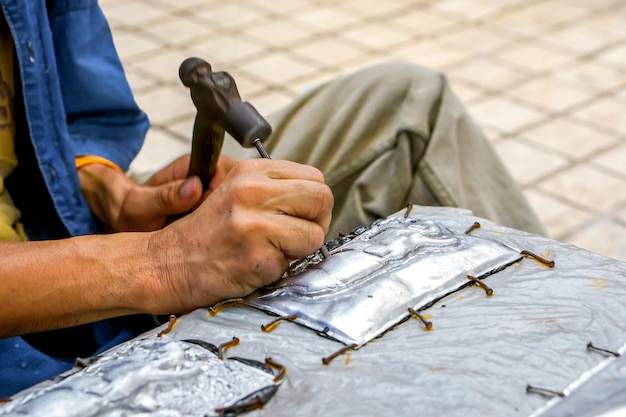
216, 97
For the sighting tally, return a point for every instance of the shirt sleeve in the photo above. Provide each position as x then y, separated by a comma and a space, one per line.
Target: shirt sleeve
103, 118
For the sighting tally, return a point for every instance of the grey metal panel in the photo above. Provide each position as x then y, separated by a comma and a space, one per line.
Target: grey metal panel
602, 393
476, 361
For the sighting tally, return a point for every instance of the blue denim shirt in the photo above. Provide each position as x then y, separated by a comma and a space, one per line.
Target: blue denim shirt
76, 102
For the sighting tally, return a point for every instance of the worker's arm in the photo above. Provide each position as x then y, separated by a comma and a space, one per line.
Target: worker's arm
55, 284
240, 238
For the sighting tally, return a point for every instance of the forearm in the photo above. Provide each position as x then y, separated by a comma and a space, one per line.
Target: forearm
55, 284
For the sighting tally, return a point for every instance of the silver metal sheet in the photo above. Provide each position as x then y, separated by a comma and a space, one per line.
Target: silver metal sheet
365, 286
149, 377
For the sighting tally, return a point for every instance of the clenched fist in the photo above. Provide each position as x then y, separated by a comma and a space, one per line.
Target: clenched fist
242, 236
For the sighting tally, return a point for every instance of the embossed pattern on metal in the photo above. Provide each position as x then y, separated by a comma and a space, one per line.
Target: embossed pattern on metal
153, 377
362, 288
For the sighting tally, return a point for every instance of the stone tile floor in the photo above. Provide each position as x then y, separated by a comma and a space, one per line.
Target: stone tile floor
545, 78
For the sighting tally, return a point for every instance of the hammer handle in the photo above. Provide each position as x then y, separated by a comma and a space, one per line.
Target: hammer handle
206, 146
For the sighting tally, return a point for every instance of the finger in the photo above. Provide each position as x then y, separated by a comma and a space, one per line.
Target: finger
308, 200
179, 196
294, 197
266, 240
297, 237
276, 169
176, 170
296, 189
172, 198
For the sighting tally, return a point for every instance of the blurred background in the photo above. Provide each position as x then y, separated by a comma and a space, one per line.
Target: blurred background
546, 79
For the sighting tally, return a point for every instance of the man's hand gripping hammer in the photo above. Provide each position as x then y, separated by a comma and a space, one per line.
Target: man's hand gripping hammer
219, 109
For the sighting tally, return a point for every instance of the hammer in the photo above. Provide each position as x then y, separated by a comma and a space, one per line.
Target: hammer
219, 109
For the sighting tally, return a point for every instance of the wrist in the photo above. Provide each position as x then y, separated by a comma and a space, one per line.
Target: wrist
104, 188
128, 272
164, 288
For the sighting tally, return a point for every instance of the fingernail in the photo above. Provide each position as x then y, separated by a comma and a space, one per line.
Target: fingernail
188, 188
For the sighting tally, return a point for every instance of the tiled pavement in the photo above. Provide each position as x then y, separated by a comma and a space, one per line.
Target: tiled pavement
545, 78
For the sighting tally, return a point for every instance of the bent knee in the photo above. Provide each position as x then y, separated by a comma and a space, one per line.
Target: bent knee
400, 72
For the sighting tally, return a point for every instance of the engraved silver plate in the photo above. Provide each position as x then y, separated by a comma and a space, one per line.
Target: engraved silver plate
151, 377
358, 290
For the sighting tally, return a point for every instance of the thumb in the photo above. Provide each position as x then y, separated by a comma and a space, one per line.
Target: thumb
147, 208
177, 196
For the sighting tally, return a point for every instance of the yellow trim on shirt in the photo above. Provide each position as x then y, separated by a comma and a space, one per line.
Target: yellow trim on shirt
81, 161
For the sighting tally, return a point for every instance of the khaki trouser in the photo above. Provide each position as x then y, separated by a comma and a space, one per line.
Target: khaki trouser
392, 134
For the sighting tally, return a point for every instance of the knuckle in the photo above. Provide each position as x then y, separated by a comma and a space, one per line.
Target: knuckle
306, 237
266, 265
327, 200
244, 185
247, 226
247, 192
239, 169
162, 197
316, 236
246, 165
322, 200
242, 226
317, 175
